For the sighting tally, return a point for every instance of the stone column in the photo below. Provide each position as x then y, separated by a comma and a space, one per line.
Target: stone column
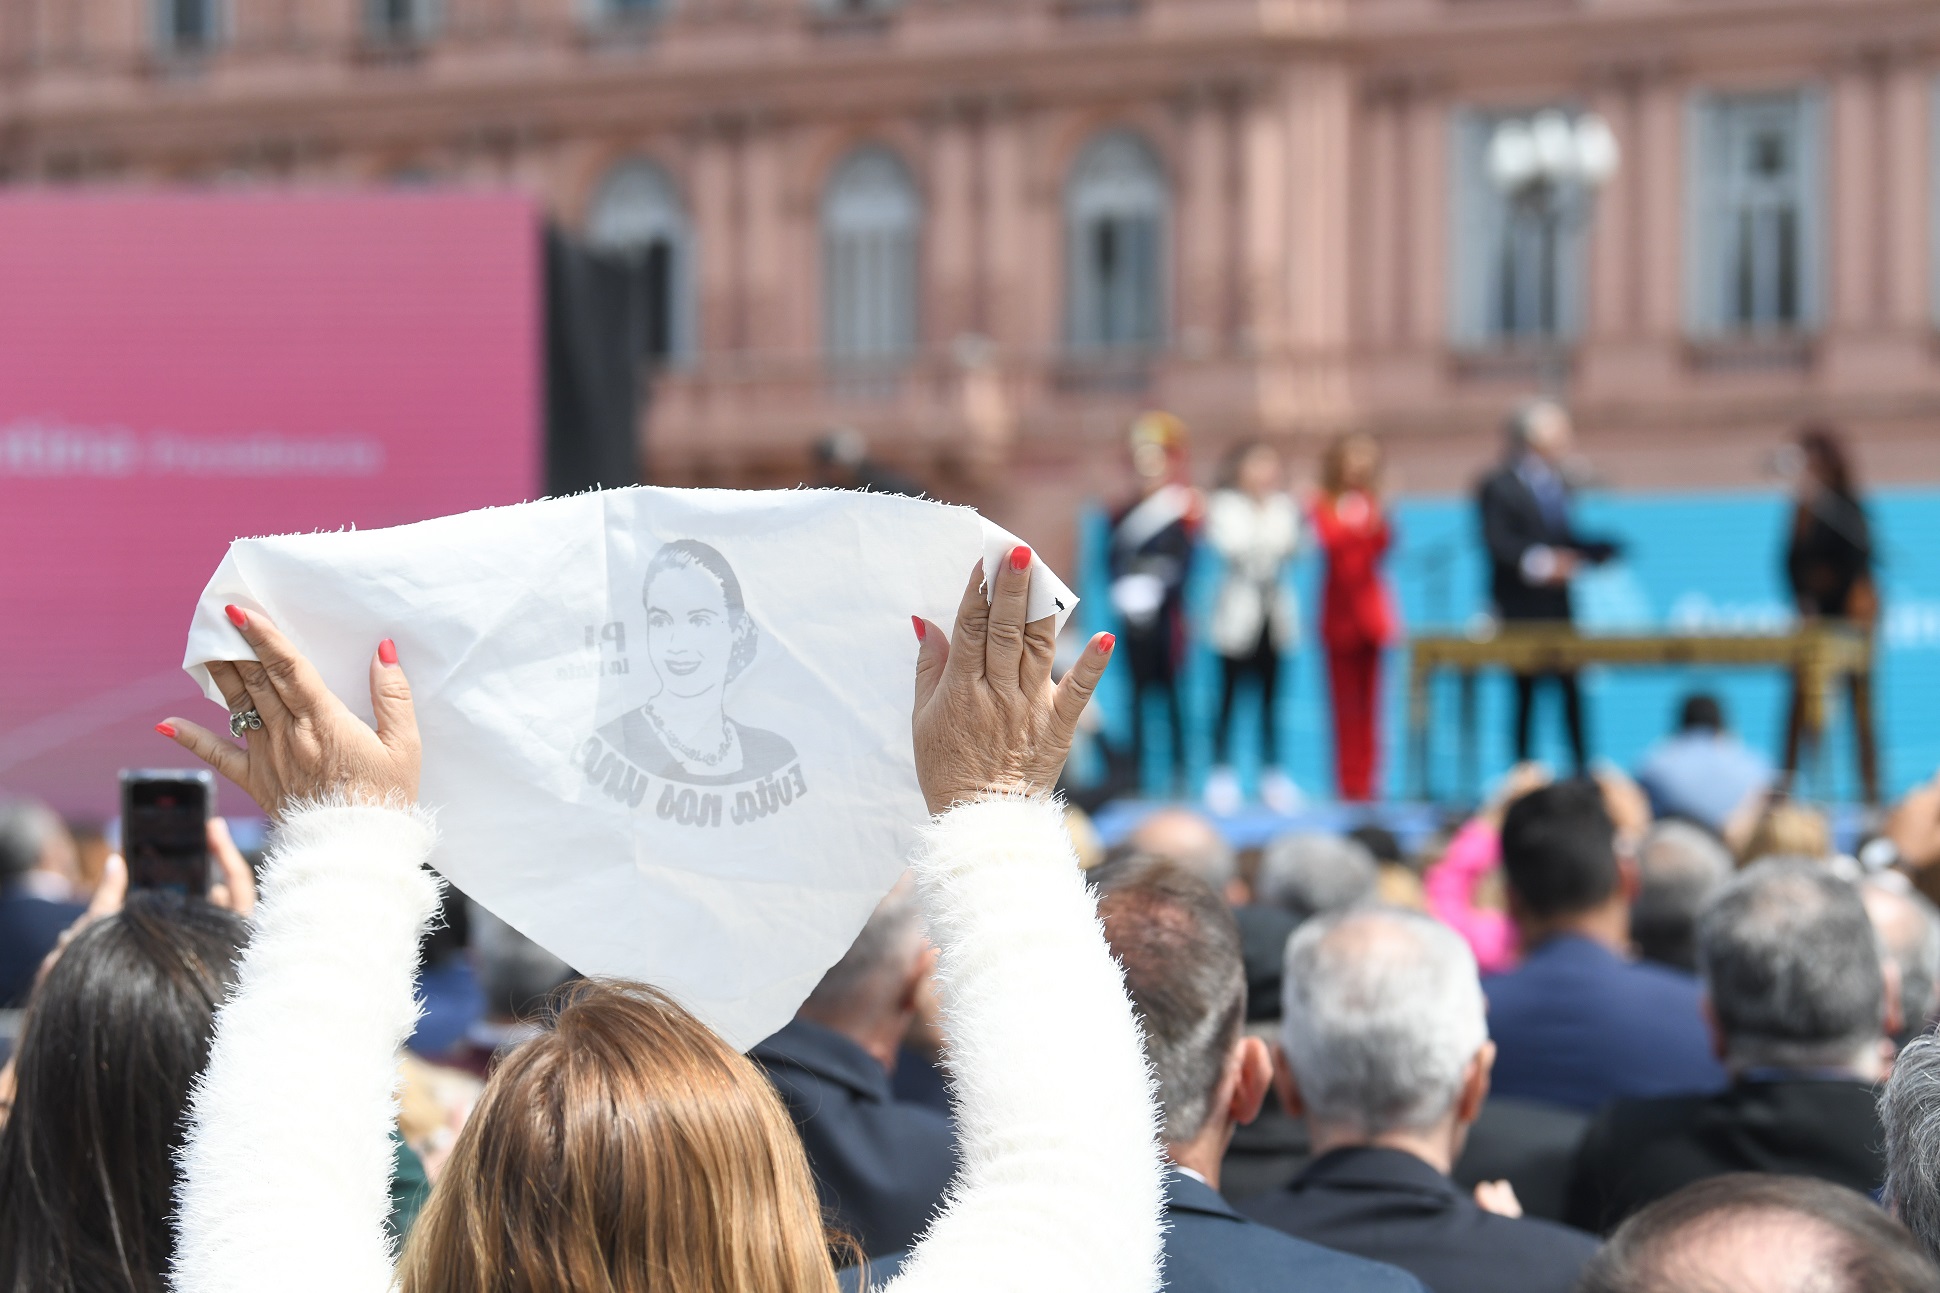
1905, 252
1852, 190
1263, 233
949, 251
1319, 219
765, 261
717, 243
1199, 233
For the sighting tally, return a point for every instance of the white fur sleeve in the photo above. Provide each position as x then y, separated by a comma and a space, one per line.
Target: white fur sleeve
286, 1172
1060, 1186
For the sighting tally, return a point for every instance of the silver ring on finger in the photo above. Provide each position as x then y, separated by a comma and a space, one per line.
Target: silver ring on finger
245, 720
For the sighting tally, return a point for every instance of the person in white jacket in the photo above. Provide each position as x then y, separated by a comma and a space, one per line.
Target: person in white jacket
287, 1161
1255, 528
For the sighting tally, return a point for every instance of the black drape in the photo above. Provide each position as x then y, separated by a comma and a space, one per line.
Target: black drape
593, 395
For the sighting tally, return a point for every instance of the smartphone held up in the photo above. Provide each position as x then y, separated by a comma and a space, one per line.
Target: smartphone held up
165, 828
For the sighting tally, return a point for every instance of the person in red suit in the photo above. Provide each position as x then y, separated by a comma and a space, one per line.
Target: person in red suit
1357, 616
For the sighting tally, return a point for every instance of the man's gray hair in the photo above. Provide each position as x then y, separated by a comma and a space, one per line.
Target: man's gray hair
1179, 946
27, 827
1792, 967
1382, 1012
1310, 874
1909, 931
1909, 1111
878, 963
1680, 867
1520, 425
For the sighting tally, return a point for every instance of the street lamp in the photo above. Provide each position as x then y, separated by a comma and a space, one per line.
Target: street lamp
1549, 168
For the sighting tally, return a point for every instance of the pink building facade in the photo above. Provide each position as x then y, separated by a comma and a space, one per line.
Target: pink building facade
986, 232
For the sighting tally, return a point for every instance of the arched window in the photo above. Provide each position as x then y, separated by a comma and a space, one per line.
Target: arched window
1115, 220
870, 218
638, 215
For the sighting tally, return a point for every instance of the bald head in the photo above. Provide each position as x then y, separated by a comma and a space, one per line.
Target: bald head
1909, 931
1760, 1234
1184, 837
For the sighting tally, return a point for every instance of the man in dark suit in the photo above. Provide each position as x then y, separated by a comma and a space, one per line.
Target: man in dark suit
1534, 551
1579, 1023
1385, 1052
880, 1164
1800, 1010
37, 863
1180, 950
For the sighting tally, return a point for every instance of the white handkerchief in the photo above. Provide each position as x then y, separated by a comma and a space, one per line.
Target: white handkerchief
667, 731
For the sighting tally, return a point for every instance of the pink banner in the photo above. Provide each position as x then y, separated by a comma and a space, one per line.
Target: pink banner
178, 370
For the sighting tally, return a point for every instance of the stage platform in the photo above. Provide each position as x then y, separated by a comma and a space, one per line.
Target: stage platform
1414, 824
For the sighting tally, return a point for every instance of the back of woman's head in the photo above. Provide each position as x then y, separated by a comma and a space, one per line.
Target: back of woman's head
627, 1149
113, 1040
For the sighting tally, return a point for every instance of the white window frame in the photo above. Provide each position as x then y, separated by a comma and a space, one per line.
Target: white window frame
1118, 177
872, 228
1480, 218
636, 204
1719, 197
161, 15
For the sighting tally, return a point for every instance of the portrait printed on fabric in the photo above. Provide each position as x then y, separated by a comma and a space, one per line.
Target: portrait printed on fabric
684, 752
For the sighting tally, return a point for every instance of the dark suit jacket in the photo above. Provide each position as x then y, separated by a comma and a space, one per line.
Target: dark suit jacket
1512, 523
1638, 1151
880, 1165
29, 928
1209, 1248
1577, 1025
1263, 933
1389, 1205
1530, 1145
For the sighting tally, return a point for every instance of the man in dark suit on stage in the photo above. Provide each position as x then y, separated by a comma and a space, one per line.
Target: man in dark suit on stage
1534, 550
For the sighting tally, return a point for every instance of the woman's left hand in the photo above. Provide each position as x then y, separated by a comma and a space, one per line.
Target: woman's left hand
989, 720
309, 746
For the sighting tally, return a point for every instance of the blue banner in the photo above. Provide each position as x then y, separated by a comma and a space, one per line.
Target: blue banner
1692, 562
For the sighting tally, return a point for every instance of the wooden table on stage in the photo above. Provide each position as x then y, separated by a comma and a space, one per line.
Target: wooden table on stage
1816, 655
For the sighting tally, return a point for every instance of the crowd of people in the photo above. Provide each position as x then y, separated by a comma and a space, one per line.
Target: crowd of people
1605, 1034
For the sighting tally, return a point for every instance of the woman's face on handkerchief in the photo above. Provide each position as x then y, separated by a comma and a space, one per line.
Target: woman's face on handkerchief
690, 635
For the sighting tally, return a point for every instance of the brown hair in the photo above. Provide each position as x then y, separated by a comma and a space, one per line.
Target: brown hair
1849, 1243
1179, 946
1333, 463
628, 1149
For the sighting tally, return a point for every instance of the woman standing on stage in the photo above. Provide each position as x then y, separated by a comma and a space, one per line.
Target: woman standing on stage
1255, 528
1829, 566
1357, 616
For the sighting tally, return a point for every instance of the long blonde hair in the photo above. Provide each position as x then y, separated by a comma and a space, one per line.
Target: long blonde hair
627, 1150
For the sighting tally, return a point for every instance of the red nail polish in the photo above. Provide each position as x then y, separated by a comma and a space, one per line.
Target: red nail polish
236, 616
387, 651
1106, 642
1020, 557
166, 729
917, 620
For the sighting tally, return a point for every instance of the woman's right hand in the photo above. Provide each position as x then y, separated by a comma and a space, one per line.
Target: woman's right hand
989, 720
310, 746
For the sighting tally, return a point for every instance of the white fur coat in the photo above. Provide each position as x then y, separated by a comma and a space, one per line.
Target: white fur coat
287, 1166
